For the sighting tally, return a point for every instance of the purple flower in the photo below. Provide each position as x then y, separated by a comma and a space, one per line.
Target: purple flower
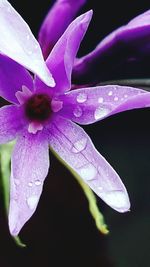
41, 116
123, 53
61, 14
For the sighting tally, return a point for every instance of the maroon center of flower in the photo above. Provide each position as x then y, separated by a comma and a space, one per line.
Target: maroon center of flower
38, 107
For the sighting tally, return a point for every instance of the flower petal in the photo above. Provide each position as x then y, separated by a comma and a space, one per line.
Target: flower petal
61, 59
88, 105
9, 82
29, 167
10, 123
61, 14
18, 43
124, 47
75, 148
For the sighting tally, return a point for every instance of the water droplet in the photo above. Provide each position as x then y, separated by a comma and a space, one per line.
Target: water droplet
110, 93
81, 98
79, 145
77, 112
116, 199
100, 113
116, 98
30, 184
37, 182
88, 172
100, 188
100, 100
32, 202
17, 181
125, 95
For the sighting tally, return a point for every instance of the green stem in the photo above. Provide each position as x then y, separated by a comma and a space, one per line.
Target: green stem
5, 157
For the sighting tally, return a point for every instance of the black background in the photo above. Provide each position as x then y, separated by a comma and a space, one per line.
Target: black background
62, 231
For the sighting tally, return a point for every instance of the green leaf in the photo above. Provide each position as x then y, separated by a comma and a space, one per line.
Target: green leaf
5, 157
94, 210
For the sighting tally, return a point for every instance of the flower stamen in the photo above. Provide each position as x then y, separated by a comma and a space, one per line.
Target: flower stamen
38, 108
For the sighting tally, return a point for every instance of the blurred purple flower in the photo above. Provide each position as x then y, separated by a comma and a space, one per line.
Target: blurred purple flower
40, 115
124, 53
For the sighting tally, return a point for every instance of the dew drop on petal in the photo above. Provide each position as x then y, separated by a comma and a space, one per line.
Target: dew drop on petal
125, 95
100, 113
81, 97
37, 182
30, 184
116, 98
32, 202
88, 172
77, 112
110, 93
116, 199
79, 145
100, 188
100, 100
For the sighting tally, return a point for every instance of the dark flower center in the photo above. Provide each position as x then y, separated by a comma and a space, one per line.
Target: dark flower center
38, 107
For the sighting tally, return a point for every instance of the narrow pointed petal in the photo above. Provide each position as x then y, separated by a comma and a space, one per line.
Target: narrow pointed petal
61, 14
18, 43
9, 82
61, 59
75, 148
121, 52
88, 105
10, 123
29, 168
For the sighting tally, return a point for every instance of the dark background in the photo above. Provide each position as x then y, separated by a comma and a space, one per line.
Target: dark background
62, 231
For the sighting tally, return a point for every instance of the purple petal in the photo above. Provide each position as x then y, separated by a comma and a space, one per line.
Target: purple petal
128, 45
88, 105
29, 168
10, 123
61, 14
75, 148
9, 81
18, 43
61, 59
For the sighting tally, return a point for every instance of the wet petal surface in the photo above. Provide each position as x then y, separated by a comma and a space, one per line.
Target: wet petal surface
75, 148
29, 168
88, 105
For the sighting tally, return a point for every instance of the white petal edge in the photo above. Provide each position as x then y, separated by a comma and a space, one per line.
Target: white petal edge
18, 43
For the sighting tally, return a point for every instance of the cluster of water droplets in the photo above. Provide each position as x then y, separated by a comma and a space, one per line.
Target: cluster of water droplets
31, 199
100, 112
100, 179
